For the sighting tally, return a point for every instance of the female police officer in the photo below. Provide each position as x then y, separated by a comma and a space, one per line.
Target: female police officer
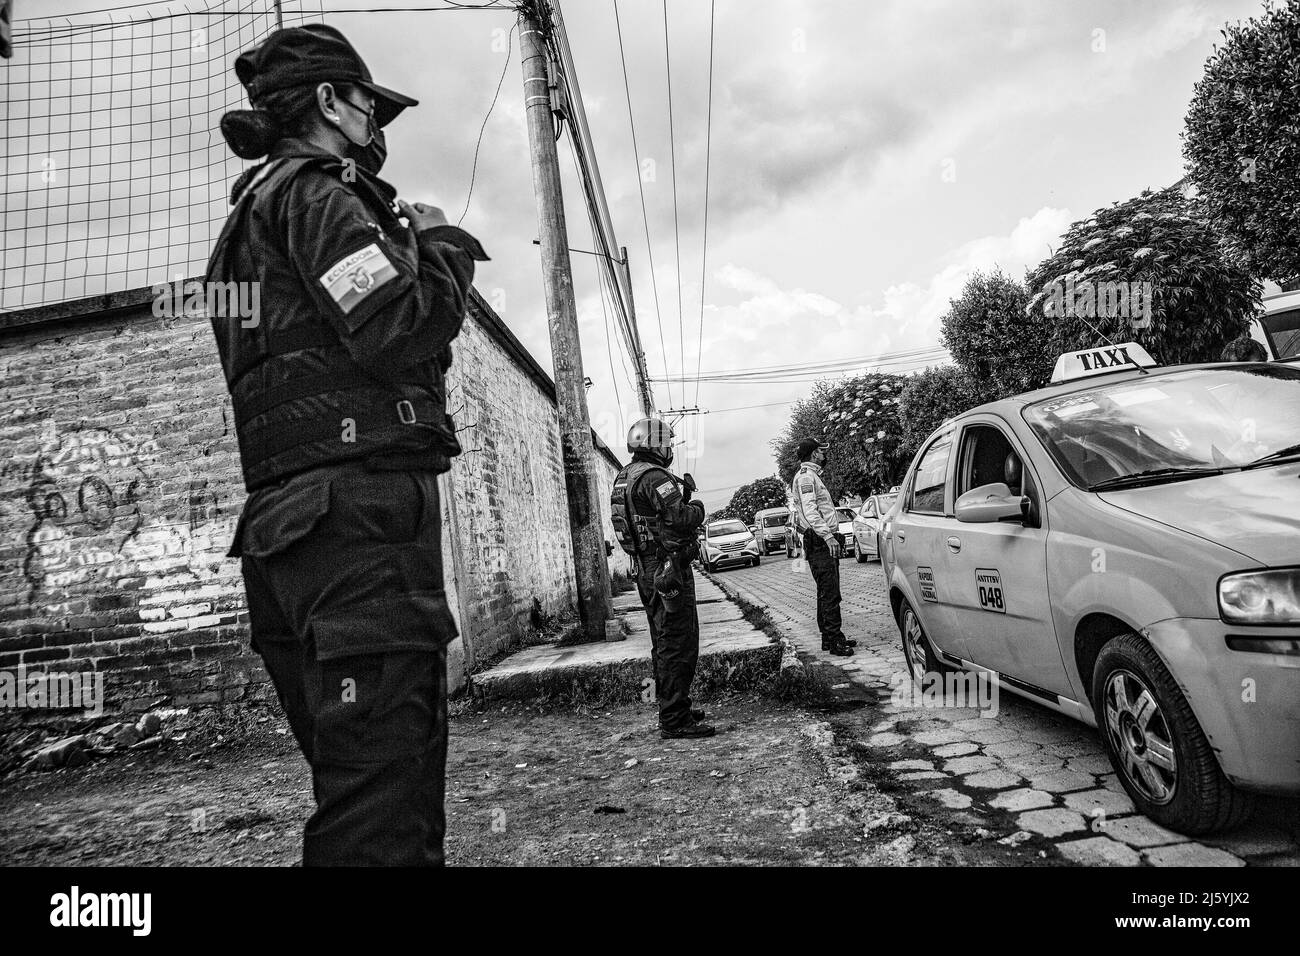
340, 411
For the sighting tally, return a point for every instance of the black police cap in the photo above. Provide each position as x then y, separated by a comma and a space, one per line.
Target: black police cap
806, 447
315, 53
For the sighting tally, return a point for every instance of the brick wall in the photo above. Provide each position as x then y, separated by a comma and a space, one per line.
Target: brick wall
120, 487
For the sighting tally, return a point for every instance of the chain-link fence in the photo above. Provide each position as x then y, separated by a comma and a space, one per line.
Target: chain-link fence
115, 172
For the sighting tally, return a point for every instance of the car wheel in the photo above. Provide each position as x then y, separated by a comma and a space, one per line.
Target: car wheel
857, 551
921, 658
754, 563
1156, 746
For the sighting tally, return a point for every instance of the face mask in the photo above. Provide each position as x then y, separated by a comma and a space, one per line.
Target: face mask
371, 154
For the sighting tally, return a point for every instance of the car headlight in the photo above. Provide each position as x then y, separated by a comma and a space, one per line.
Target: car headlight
1260, 597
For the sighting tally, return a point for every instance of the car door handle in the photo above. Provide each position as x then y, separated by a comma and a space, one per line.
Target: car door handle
954, 543
901, 535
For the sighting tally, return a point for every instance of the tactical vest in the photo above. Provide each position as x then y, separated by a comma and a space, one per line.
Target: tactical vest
631, 529
300, 401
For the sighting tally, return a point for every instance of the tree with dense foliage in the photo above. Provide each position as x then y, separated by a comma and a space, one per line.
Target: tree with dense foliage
1002, 347
1242, 140
858, 418
1150, 270
747, 499
931, 397
864, 432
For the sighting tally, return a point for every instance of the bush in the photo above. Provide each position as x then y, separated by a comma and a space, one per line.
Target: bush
931, 397
1242, 140
1002, 347
755, 496
1192, 295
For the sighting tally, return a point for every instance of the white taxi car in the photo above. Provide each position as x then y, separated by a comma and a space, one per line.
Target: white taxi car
867, 522
1123, 546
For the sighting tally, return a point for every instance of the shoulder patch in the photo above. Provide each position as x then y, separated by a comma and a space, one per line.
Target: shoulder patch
357, 275
665, 488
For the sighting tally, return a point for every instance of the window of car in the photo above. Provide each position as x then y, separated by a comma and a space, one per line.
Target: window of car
775, 521
720, 528
987, 457
931, 476
869, 509
1282, 329
1176, 426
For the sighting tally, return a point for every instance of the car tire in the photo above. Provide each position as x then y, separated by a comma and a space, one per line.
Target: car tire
1184, 789
757, 559
857, 551
917, 649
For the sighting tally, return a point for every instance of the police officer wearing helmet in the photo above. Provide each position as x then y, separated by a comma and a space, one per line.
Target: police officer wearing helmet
338, 394
656, 522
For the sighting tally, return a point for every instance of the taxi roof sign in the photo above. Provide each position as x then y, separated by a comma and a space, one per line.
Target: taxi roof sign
1101, 360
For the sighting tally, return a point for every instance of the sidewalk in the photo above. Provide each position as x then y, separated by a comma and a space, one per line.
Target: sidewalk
617, 670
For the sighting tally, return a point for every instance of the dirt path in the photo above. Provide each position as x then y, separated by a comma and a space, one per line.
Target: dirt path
525, 787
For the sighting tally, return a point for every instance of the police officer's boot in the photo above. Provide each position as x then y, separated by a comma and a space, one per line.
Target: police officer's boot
841, 648
696, 729
697, 714
828, 644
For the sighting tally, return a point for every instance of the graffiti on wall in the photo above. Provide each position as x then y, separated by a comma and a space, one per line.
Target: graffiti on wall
97, 510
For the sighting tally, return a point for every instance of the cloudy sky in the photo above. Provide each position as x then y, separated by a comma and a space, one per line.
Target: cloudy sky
866, 156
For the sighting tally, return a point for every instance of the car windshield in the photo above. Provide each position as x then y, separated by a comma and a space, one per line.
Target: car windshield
846, 514
726, 527
774, 521
885, 502
1172, 426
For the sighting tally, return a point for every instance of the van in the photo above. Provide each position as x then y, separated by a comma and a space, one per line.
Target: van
769, 528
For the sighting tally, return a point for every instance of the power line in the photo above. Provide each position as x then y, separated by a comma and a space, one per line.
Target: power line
473, 173
771, 374
602, 224
704, 250
677, 236
645, 219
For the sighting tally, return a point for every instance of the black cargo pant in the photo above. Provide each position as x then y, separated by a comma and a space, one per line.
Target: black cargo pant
674, 644
826, 572
343, 569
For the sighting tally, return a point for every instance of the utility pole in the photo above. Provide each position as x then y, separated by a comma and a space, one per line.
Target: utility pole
642, 375
585, 506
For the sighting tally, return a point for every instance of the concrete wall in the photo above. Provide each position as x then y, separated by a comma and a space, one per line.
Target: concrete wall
120, 488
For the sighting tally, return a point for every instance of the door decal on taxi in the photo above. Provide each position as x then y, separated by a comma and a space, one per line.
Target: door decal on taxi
989, 584
925, 578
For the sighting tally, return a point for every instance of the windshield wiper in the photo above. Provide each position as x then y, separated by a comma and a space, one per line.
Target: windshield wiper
1151, 477
1290, 451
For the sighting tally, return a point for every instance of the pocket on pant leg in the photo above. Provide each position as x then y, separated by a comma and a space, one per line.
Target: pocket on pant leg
376, 708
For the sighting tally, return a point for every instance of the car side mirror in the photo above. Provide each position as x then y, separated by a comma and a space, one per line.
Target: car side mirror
989, 503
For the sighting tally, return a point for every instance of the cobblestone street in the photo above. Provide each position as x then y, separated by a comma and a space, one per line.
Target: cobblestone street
1023, 764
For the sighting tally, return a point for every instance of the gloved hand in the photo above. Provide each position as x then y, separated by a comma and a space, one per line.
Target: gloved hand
688, 486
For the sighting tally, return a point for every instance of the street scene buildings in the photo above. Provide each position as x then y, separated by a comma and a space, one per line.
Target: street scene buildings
765, 451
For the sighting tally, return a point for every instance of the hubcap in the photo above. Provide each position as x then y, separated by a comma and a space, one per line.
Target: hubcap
1140, 735
914, 643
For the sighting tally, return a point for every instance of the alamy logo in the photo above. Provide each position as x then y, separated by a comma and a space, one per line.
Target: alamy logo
1107, 300
218, 300
976, 690
53, 689
75, 909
